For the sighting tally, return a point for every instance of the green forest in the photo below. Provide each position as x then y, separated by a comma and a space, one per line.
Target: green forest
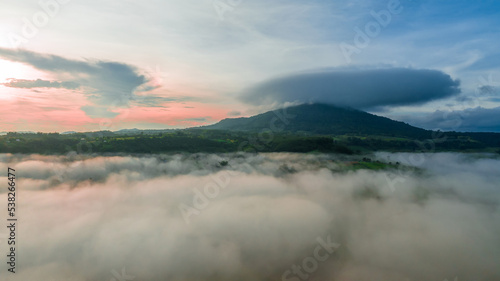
204, 140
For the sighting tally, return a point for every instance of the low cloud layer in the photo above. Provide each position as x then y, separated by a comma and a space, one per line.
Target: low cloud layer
477, 119
95, 217
358, 88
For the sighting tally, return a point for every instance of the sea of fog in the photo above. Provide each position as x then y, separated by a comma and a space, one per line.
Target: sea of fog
275, 216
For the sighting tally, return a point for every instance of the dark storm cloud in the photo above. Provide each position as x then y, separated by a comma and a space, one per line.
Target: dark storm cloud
358, 88
39, 83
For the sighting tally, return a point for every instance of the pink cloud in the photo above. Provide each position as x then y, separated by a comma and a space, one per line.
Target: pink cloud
44, 110
58, 110
175, 115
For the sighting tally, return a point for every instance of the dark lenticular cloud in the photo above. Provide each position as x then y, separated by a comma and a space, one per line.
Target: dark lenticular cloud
358, 88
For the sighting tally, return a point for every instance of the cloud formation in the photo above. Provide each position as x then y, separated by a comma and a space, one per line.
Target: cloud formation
357, 88
476, 119
488, 90
87, 218
105, 83
39, 83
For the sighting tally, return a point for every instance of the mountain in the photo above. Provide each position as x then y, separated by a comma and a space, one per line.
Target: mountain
304, 128
323, 119
128, 131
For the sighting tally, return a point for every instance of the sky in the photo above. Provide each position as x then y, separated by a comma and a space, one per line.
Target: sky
68, 65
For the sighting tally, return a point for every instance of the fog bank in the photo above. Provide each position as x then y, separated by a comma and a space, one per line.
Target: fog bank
255, 217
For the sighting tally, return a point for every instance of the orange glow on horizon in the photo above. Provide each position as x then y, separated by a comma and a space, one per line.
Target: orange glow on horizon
175, 114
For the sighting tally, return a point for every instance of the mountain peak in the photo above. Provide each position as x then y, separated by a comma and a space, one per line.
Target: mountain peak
321, 119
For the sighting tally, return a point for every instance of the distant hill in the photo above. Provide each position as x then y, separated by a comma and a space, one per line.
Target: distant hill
136, 131
324, 119
308, 128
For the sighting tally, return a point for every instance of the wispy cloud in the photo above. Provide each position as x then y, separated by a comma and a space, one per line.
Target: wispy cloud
205, 56
156, 101
39, 83
477, 119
